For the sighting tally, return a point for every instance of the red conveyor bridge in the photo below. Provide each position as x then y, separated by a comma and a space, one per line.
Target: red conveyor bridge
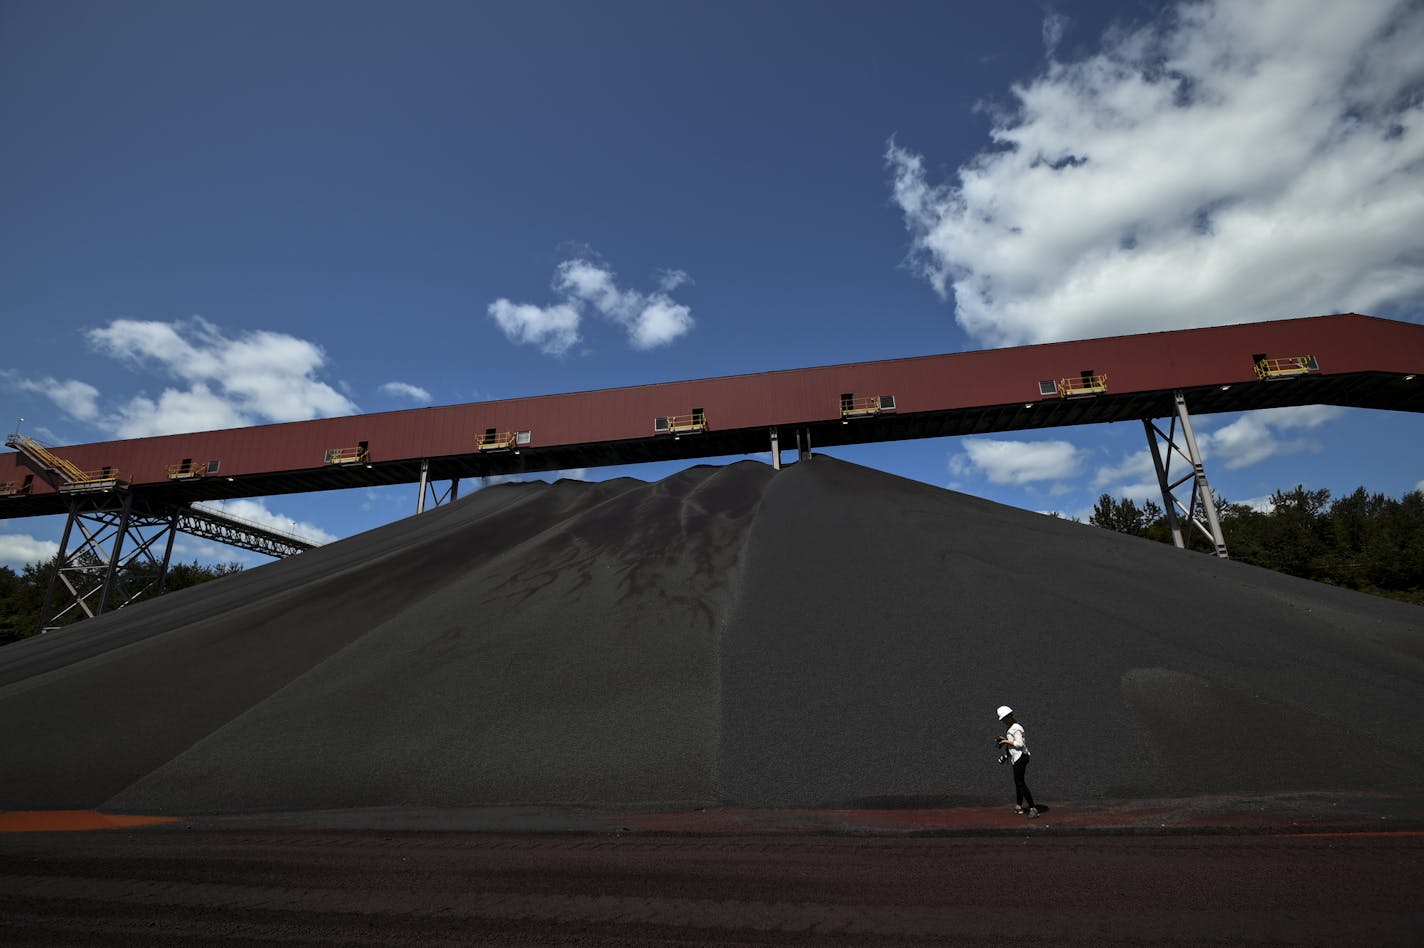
1348, 359
1357, 361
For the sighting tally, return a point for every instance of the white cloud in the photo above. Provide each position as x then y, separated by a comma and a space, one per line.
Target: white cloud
670, 280
195, 409
1249, 439
186, 548
256, 512
554, 329
222, 382
78, 400
581, 280
650, 320
658, 323
1054, 26
18, 550
405, 390
1135, 467
257, 376
1017, 462
1255, 436
1235, 161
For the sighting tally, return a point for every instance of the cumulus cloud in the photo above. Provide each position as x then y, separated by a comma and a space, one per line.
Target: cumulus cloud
220, 380
1250, 438
1230, 162
1055, 25
651, 320
1258, 435
18, 550
256, 512
197, 408
405, 390
1017, 462
259, 376
78, 400
1133, 477
554, 329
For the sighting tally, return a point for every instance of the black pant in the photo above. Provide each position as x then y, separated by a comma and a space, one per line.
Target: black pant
1022, 795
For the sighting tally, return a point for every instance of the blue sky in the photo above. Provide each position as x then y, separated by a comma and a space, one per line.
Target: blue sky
226, 214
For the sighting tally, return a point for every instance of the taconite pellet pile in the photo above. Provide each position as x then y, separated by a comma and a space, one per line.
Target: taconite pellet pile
823, 635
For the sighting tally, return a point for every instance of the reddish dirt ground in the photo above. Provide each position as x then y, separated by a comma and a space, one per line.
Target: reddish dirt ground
186, 885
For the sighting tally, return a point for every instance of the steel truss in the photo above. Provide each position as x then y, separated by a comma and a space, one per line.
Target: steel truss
98, 574
211, 525
1200, 508
115, 558
436, 496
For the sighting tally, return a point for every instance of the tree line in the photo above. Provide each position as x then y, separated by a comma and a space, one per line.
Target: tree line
1369, 542
22, 594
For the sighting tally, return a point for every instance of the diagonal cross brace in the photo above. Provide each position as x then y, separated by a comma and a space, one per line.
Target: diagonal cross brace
1200, 508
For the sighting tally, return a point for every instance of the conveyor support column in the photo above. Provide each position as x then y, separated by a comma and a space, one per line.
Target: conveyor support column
1200, 497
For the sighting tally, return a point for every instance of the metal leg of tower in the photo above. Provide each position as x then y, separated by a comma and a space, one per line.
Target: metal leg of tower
120, 532
1200, 509
803, 444
1169, 503
775, 450
428, 489
61, 560
172, 531
97, 576
1199, 472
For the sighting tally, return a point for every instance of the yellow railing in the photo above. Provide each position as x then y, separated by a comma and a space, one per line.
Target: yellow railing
497, 441
73, 477
181, 472
103, 475
48, 459
1285, 368
345, 455
686, 424
1082, 385
860, 405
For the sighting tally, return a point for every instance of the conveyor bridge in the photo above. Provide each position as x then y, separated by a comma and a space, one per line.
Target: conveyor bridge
1348, 359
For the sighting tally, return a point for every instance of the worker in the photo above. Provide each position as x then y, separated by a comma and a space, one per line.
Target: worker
1014, 744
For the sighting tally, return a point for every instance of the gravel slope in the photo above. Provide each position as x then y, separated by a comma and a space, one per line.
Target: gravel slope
823, 635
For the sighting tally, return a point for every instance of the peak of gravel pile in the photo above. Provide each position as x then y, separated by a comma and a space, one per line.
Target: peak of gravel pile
823, 635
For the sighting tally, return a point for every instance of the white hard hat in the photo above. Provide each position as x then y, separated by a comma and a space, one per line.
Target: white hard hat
1005, 711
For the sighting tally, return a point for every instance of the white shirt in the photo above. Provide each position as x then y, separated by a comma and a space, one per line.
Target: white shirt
1019, 747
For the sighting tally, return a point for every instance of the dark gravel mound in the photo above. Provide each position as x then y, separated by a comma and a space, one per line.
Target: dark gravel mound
826, 635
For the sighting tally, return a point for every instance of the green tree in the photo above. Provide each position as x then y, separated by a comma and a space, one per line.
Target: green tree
1294, 539
1124, 515
22, 595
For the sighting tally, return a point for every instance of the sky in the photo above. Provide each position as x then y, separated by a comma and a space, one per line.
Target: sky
215, 215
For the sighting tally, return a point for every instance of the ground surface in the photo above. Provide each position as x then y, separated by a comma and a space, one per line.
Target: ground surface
186, 886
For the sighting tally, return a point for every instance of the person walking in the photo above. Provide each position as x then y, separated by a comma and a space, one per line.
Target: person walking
1016, 747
